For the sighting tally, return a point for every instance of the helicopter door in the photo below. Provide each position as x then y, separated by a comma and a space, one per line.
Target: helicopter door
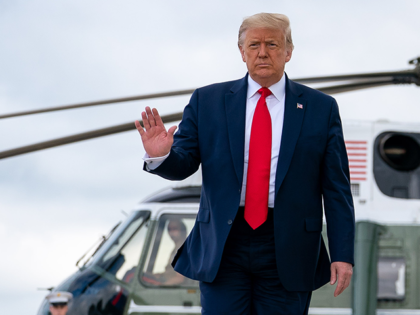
160, 287
357, 136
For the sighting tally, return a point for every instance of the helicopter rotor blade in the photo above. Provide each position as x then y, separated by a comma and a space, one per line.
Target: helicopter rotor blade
104, 102
387, 80
81, 137
408, 76
354, 86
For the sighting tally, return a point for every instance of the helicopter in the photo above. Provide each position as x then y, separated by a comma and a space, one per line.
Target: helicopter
128, 273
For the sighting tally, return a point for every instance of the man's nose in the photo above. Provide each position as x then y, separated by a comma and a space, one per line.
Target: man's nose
262, 53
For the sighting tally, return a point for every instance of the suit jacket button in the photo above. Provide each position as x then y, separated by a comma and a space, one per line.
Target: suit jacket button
229, 222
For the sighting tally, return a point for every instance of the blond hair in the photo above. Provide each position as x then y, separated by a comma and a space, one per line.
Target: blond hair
267, 20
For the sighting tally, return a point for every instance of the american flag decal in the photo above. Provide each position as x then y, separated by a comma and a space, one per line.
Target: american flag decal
299, 106
357, 154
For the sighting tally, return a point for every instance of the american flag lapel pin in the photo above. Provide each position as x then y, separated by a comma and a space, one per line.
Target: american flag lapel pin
299, 106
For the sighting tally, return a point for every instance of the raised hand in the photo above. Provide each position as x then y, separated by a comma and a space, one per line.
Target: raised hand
156, 140
343, 271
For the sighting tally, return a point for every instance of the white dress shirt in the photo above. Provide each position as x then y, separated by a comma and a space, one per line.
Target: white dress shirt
275, 104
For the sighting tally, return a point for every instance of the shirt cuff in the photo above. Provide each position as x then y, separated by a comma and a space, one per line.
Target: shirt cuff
153, 163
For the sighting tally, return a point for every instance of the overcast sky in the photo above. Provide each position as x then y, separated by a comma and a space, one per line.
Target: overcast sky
55, 203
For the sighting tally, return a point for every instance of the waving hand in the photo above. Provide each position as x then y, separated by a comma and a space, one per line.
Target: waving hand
156, 140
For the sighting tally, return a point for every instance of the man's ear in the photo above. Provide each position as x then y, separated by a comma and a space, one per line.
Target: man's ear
241, 49
288, 54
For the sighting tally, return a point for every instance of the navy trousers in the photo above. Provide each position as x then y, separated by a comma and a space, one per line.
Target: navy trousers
247, 281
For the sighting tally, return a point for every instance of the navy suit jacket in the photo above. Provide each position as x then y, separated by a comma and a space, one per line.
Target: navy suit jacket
312, 170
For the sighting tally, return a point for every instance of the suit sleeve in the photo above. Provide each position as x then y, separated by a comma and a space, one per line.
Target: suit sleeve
338, 201
184, 157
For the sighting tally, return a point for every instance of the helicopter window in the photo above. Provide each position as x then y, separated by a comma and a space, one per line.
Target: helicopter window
399, 151
396, 164
124, 237
171, 233
122, 254
391, 278
131, 253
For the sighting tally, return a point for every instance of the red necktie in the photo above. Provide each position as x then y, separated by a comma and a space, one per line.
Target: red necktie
259, 162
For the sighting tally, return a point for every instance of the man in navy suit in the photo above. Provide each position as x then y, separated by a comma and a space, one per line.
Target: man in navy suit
272, 156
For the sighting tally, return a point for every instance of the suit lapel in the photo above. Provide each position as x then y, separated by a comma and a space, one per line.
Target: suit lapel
293, 117
235, 106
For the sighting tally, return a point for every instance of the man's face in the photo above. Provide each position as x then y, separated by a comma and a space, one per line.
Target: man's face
265, 53
174, 231
58, 309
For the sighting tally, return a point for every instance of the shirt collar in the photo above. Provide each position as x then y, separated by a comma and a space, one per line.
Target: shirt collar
278, 89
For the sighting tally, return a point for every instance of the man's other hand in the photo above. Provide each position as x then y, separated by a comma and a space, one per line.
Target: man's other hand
156, 140
343, 272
